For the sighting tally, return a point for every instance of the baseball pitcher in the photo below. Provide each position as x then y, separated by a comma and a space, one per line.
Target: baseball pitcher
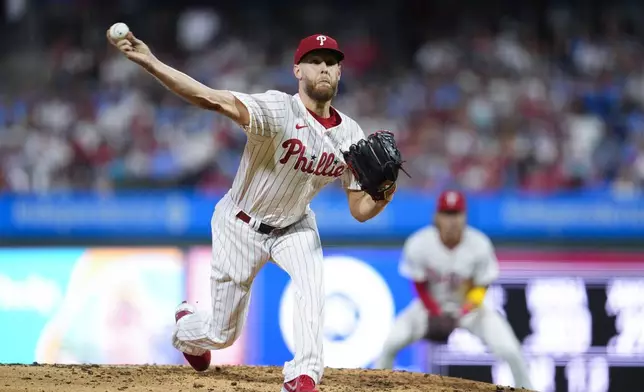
451, 265
296, 145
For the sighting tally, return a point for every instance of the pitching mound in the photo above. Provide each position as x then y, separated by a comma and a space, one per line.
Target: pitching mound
93, 378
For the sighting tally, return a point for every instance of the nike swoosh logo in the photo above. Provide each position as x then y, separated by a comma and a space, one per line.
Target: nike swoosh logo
298, 126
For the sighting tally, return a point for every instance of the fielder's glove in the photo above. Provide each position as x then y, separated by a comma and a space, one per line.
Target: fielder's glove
375, 162
440, 327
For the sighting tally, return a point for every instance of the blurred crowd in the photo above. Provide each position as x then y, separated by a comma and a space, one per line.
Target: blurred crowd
487, 108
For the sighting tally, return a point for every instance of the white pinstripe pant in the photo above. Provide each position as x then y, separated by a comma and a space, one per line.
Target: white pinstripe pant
239, 253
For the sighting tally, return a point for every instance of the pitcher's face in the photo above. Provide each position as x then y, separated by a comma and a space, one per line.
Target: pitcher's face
319, 72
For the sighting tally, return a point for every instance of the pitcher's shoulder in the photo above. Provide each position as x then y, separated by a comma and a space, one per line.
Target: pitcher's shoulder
351, 126
346, 119
281, 95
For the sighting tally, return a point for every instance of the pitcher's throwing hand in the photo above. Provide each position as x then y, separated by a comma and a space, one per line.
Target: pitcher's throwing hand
133, 48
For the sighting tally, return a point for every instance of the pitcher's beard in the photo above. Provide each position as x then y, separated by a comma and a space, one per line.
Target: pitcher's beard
320, 94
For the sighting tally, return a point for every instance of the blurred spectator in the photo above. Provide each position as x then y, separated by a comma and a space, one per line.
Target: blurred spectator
492, 106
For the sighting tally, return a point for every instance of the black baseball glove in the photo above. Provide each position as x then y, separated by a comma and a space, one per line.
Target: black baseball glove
375, 162
440, 327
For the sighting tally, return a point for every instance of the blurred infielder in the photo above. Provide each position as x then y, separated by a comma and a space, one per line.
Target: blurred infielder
293, 150
451, 265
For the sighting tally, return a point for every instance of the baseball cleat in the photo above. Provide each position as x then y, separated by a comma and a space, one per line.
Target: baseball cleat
301, 384
200, 363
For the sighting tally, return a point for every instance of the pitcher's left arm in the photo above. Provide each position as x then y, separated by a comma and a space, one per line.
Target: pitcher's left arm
362, 205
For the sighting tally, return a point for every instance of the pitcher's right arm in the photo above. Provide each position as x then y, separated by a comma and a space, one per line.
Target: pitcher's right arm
198, 94
184, 86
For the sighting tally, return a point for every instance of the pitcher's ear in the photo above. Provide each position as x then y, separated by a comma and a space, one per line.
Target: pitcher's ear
297, 71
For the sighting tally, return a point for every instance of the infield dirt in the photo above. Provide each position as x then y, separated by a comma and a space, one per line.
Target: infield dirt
94, 378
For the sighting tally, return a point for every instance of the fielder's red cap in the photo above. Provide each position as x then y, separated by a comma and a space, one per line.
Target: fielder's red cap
316, 42
451, 201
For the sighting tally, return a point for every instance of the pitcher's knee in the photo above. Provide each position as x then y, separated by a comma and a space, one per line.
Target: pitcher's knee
221, 339
206, 343
212, 340
223, 343
187, 346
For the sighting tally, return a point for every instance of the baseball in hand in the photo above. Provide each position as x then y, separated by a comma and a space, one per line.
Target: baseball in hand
118, 31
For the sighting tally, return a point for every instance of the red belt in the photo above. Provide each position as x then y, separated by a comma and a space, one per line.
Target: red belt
263, 228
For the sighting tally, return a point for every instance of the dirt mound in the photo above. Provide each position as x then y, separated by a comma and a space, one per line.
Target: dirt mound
94, 378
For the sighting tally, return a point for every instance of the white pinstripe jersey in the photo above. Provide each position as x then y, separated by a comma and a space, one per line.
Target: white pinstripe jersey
289, 157
425, 258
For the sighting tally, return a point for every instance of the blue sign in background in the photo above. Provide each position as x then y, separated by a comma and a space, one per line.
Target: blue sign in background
89, 305
268, 346
34, 304
34, 293
179, 215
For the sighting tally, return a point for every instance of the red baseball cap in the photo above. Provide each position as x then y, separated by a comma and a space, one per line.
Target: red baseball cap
316, 42
451, 201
